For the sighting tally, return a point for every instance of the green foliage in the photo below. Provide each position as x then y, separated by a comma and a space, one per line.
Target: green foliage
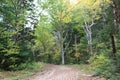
59, 29
15, 39
31, 66
56, 58
53, 57
29, 70
83, 67
104, 66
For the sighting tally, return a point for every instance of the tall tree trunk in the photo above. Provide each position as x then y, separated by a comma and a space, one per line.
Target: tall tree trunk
60, 35
113, 45
62, 49
91, 51
90, 42
89, 38
113, 55
63, 56
116, 10
88, 31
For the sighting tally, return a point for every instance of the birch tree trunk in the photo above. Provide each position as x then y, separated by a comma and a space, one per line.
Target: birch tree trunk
88, 31
61, 41
63, 55
62, 47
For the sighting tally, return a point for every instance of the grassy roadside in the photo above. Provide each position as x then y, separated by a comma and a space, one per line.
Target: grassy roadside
15, 75
82, 67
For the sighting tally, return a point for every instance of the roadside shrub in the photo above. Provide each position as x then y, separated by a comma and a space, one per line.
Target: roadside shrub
104, 66
31, 66
56, 58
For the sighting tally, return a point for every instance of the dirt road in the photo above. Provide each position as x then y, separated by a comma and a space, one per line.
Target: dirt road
54, 72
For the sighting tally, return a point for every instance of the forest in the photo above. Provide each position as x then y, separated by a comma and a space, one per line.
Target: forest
60, 32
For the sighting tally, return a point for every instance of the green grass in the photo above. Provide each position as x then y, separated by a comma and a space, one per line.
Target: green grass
82, 67
15, 75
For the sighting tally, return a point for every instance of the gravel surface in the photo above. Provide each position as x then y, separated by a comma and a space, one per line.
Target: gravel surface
55, 72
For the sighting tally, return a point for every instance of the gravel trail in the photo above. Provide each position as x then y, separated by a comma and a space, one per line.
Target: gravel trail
55, 72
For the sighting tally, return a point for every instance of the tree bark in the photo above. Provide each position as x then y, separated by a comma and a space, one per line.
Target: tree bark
113, 45
88, 32
115, 6
63, 56
62, 48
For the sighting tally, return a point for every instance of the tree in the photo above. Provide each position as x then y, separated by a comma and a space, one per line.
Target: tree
89, 11
60, 16
116, 11
14, 34
44, 39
